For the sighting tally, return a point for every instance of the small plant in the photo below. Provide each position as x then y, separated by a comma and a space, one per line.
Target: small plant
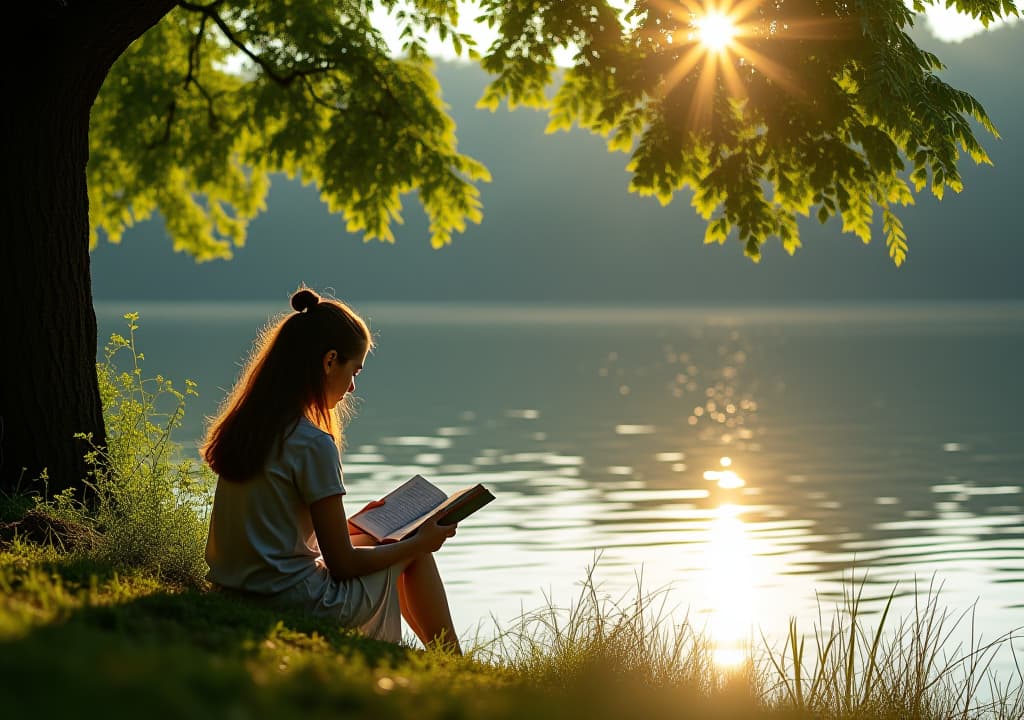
148, 503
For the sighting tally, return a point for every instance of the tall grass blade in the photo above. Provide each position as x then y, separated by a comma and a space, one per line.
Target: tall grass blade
873, 654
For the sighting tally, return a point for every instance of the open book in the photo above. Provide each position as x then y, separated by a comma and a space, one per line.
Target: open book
413, 503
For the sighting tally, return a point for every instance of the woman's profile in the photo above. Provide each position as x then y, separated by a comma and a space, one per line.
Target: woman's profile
278, 529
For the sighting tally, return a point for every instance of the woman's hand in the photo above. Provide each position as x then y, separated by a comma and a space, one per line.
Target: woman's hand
352, 529
343, 560
431, 534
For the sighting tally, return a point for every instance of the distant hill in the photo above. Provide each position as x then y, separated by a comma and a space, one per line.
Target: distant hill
560, 226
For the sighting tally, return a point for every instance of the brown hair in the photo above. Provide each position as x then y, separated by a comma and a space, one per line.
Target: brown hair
282, 381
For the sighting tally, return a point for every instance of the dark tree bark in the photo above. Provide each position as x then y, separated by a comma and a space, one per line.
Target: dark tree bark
48, 386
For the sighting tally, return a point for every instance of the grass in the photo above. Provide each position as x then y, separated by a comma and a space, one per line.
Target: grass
908, 668
79, 635
632, 638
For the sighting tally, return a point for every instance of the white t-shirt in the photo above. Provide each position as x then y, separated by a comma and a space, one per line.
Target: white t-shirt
261, 533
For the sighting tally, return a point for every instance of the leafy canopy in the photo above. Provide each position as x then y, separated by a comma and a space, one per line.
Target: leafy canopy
823, 107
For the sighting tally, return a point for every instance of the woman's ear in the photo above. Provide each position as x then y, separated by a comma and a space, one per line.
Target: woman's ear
330, 357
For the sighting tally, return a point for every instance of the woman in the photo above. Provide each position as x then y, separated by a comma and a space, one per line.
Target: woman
278, 530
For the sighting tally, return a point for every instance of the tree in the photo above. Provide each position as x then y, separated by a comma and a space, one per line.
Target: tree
818, 106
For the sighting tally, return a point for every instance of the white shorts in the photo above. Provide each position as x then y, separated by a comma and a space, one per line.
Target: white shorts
368, 603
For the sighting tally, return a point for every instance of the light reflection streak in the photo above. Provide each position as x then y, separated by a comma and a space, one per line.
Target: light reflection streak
726, 479
732, 585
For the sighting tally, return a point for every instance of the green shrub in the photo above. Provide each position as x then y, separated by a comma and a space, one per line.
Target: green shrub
148, 502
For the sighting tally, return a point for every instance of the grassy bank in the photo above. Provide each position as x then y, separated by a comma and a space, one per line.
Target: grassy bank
81, 637
77, 637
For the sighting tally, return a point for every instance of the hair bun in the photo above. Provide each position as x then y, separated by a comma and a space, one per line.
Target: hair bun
304, 299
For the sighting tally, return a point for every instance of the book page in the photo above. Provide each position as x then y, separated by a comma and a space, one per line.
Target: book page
414, 498
458, 506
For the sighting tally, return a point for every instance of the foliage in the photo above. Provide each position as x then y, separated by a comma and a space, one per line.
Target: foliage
147, 502
826, 108
175, 130
820, 108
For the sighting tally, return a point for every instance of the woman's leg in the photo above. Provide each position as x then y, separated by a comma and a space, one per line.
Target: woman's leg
363, 540
407, 612
425, 604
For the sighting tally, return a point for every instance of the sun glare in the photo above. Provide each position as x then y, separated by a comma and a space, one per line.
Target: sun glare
715, 31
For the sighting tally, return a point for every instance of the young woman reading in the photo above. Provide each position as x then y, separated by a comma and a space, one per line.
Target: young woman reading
278, 530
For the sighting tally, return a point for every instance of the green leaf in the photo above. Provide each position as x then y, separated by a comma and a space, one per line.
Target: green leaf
895, 237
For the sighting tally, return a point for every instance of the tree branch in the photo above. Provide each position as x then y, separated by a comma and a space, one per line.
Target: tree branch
209, 11
273, 73
319, 100
193, 66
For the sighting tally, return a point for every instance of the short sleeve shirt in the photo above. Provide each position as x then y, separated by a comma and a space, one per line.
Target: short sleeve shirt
261, 532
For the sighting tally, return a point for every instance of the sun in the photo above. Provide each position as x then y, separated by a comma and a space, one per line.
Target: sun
715, 31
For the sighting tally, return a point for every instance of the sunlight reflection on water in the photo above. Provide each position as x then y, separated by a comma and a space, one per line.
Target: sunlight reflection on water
732, 582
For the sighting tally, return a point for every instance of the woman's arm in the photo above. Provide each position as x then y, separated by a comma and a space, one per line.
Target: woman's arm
345, 561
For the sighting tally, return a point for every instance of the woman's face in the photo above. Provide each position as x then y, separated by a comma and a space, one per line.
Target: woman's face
341, 375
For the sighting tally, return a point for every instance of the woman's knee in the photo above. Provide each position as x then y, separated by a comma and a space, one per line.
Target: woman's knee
421, 563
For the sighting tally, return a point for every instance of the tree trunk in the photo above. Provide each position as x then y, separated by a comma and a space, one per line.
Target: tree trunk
48, 387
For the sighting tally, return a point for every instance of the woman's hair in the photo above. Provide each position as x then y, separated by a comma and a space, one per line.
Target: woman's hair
283, 380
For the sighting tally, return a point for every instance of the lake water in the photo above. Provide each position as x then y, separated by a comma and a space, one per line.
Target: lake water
747, 459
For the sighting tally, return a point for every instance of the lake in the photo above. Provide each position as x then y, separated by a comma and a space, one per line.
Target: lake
745, 459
